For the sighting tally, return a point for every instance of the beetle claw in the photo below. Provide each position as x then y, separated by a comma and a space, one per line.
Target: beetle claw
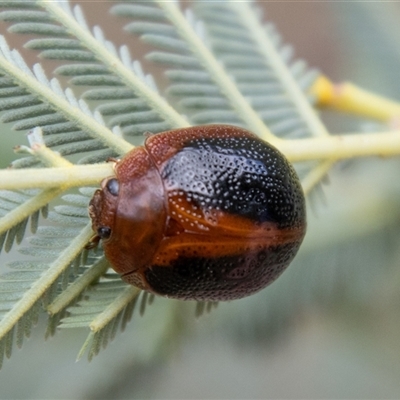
113, 160
93, 242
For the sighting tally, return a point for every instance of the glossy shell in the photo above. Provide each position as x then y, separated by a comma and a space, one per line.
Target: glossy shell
203, 213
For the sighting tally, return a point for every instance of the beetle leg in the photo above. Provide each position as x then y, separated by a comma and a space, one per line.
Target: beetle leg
93, 242
113, 160
147, 134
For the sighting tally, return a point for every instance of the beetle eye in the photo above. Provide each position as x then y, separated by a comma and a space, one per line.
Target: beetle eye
104, 232
113, 186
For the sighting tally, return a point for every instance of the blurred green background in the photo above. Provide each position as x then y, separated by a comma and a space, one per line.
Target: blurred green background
329, 327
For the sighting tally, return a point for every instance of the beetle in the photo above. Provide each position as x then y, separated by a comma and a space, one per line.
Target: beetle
207, 212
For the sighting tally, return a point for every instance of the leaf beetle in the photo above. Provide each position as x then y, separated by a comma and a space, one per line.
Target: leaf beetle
201, 213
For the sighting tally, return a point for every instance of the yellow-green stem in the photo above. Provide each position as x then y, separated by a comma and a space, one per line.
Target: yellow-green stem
26, 209
352, 99
142, 90
216, 71
77, 175
35, 292
383, 144
316, 175
114, 308
73, 290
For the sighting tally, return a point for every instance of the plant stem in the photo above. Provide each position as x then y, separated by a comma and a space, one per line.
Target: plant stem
216, 71
283, 74
26, 209
77, 175
316, 175
78, 286
114, 308
352, 99
35, 292
46, 94
115, 65
383, 144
